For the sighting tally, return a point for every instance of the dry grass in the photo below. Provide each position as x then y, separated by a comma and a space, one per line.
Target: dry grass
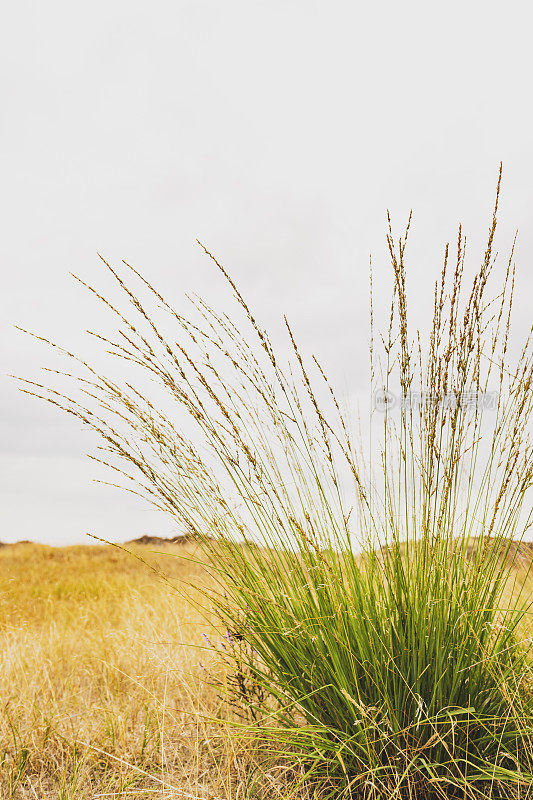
103, 692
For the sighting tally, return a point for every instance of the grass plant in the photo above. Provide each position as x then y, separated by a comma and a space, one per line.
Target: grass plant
381, 626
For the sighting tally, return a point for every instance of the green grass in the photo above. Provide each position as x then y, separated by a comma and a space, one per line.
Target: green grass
391, 676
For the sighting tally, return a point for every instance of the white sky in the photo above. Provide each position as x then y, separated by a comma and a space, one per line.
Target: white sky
276, 132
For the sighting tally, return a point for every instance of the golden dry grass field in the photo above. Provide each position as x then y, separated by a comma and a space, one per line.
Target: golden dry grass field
105, 679
106, 682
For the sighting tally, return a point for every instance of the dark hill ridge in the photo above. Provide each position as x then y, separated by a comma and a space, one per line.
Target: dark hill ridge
520, 554
12, 544
183, 538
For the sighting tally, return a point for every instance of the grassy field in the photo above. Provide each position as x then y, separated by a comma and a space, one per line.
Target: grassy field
105, 679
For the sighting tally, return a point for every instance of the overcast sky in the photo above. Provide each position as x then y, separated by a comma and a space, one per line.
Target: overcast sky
276, 132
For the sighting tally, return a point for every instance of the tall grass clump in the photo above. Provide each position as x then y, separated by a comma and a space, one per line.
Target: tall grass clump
380, 635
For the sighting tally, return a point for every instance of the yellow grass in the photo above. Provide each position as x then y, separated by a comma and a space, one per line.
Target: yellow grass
102, 690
